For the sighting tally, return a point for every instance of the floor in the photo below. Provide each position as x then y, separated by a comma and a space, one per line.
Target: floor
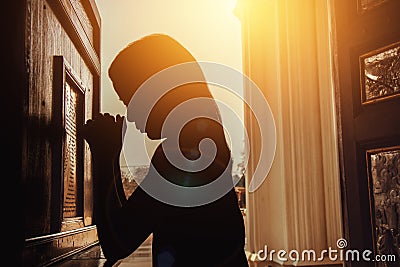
93, 257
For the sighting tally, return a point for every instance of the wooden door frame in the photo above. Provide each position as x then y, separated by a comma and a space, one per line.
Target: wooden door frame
361, 127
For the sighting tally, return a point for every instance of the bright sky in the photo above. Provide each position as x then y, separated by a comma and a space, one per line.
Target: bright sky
207, 28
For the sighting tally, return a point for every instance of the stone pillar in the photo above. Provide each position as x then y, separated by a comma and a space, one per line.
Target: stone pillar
287, 53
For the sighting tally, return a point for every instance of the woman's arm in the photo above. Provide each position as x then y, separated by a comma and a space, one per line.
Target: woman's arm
118, 182
121, 226
106, 205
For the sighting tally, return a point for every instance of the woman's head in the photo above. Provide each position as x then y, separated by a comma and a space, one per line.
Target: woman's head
185, 115
146, 57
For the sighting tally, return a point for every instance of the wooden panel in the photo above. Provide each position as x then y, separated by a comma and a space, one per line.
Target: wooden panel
71, 184
46, 250
38, 143
364, 124
94, 17
83, 19
51, 36
14, 83
46, 37
65, 13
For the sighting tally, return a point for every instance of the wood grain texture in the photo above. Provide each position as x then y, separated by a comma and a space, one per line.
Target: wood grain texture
47, 35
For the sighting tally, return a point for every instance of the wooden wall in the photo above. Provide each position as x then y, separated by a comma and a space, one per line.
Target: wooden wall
14, 84
71, 29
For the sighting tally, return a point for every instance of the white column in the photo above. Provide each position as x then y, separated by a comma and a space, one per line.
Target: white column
286, 49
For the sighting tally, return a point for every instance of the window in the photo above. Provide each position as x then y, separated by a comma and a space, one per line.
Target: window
68, 115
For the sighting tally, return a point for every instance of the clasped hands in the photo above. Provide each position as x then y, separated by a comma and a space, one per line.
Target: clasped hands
104, 135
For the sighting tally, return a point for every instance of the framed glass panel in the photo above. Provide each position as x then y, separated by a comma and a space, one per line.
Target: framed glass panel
384, 180
69, 148
364, 5
71, 182
380, 74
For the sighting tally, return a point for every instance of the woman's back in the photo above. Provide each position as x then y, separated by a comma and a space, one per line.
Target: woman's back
187, 200
207, 235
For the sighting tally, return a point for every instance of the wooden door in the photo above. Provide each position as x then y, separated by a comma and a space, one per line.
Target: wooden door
367, 53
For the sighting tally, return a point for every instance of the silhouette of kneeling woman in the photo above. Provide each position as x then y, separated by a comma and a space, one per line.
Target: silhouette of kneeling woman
210, 234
